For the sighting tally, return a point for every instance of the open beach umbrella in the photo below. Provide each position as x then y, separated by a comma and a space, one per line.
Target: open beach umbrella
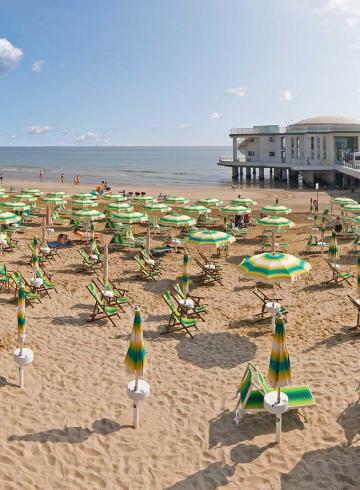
7, 218
275, 223
25, 197
209, 238
142, 199
83, 195
34, 192
356, 219
119, 206
234, 210
175, 200
351, 208
275, 209
195, 209
243, 201
88, 215
185, 278
210, 202
53, 200
333, 251
176, 220
156, 208
15, 206
61, 194
342, 200
3, 195
114, 197
83, 203
136, 357
21, 320
129, 217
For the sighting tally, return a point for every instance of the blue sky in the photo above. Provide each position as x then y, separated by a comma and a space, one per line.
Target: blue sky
172, 72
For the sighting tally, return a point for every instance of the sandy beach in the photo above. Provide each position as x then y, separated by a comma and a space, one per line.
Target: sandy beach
70, 428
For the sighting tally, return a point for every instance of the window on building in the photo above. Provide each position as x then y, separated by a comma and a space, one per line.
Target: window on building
298, 148
318, 147
271, 153
324, 147
292, 147
312, 144
345, 147
252, 140
251, 153
271, 139
283, 141
283, 155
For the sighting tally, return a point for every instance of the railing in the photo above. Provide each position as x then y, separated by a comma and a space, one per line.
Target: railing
258, 130
353, 165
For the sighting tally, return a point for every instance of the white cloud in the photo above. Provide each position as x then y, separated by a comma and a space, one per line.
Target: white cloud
286, 95
236, 91
352, 20
185, 125
37, 66
344, 7
10, 56
13, 136
89, 137
213, 116
36, 130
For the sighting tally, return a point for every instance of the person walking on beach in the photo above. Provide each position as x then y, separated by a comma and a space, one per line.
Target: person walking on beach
75, 180
78, 180
40, 175
62, 178
1, 177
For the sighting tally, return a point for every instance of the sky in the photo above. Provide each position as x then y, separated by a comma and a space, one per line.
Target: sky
172, 72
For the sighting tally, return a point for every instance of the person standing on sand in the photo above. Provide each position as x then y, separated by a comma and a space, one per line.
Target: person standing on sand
40, 175
62, 178
75, 181
78, 180
1, 177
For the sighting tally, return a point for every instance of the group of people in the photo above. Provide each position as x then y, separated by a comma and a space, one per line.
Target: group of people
103, 187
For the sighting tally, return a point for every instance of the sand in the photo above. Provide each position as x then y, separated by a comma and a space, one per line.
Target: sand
70, 428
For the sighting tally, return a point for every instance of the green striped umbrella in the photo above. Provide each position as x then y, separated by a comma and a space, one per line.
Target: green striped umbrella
15, 206
21, 320
142, 199
156, 208
342, 200
130, 217
274, 267
3, 195
34, 192
83, 203
334, 251
119, 206
83, 195
356, 219
88, 215
195, 209
185, 278
61, 194
25, 197
234, 210
275, 223
210, 238
176, 220
114, 197
351, 208
7, 218
53, 200
210, 202
175, 200
243, 201
136, 356
275, 209
279, 372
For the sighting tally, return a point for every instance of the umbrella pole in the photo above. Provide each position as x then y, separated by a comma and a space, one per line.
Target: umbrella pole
278, 428
273, 241
21, 377
136, 406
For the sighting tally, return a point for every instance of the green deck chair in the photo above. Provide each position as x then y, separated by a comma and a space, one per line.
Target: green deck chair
47, 285
176, 321
18, 280
119, 295
4, 277
88, 263
338, 277
145, 271
198, 309
100, 310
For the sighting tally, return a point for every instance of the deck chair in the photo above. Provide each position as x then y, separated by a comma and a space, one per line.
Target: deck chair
311, 242
53, 252
100, 310
253, 388
119, 297
357, 306
209, 276
151, 261
177, 321
161, 250
266, 299
338, 277
207, 261
95, 249
88, 263
197, 310
47, 285
354, 245
56, 219
4, 277
145, 271
5, 246
18, 280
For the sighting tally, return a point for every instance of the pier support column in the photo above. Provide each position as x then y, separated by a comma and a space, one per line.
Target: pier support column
261, 173
248, 172
284, 174
347, 181
254, 172
271, 172
241, 172
293, 175
235, 172
276, 173
235, 149
309, 178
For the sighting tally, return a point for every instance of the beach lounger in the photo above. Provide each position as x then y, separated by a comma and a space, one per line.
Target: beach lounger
145, 271
47, 285
356, 303
177, 321
207, 261
312, 241
5, 245
119, 297
88, 263
161, 249
337, 276
56, 219
253, 388
18, 280
100, 310
4, 277
266, 299
354, 245
150, 260
209, 274
197, 309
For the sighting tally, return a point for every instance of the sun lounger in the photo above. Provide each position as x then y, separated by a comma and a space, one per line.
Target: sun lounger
337, 276
88, 263
209, 275
197, 310
145, 271
266, 299
47, 285
356, 303
177, 321
150, 261
119, 297
100, 310
4, 277
17, 281
253, 388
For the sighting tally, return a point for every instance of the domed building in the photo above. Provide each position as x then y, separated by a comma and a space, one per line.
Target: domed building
316, 148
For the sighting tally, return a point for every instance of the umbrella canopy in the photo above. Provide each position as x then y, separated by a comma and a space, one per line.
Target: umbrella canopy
7, 218
83, 195
61, 194
25, 197
15, 206
176, 220
356, 219
210, 238
34, 192
185, 278
129, 217
195, 209
142, 199
234, 210
243, 201
175, 200
119, 206
83, 203
276, 222
114, 197
274, 267
279, 373
53, 200
156, 208
352, 208
136, 357
333, 251
3, 195
21, 320
88, 215
275, 209
343, 200
210, 202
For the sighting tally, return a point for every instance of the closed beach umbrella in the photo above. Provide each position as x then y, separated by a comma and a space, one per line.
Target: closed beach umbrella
83, 203
156, 208
21, 321
176, 220
34, 192
274, 267
195, 209
15, 206
175, 200
130, 217
114, 197
25, 197
351, 208
136, 357
35, 256
275, 209
49, 221
333, 252
185, 279
210, 202
119, 206
88, 215
243, 201
106, 266
7, 218
61, 194
142, 199
234, 210
275, 223
209, 238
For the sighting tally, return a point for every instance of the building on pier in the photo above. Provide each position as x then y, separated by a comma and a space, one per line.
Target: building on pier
317, 148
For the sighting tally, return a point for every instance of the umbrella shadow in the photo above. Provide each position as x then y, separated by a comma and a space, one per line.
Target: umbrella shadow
72, 435
223, 349
246, 453
349, 420
224, 432
338, 338
214, 476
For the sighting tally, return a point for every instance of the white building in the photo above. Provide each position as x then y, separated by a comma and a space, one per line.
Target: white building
315, 147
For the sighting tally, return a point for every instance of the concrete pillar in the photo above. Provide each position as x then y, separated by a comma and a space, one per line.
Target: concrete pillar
248, 172
352, 182
347, 181
241, 172
261, 173
271, 172
276, 173
254, 172
284, 174
235, 172
293, 175
235, 149
309, 178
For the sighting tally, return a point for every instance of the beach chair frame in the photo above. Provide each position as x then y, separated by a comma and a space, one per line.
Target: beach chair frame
357, 306
209, 276
177, 321
100, 310
338, 277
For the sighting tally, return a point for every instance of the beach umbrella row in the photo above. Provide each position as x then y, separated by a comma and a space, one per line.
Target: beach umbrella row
209, 238
114, 197
130, 217
176, 220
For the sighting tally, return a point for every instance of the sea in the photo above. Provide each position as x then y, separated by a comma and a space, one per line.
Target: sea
122, 166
